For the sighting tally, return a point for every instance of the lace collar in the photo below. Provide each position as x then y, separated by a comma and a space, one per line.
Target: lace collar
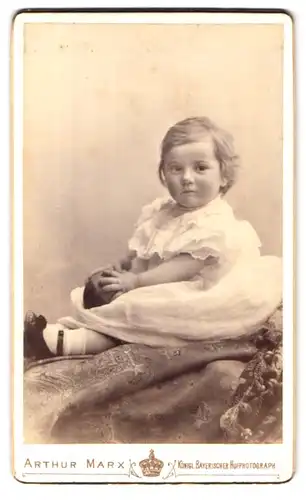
216, 206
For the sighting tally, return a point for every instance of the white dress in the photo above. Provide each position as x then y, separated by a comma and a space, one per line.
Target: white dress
233, 295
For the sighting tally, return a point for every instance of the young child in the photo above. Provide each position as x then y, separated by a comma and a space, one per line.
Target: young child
192, 271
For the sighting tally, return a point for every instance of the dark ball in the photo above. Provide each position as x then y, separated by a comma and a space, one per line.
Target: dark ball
94, 295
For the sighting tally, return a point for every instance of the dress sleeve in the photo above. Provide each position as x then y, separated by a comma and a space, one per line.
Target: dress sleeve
217, 238
148, 212
200, 243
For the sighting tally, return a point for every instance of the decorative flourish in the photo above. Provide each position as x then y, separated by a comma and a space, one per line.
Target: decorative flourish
132, 471
172, 471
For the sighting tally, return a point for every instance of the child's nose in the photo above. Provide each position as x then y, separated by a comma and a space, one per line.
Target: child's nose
188, 175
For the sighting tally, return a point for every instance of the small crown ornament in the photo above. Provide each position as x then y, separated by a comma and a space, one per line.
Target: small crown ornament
151, 467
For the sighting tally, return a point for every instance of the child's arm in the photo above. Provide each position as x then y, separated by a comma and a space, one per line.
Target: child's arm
183, 267
180, 268
123, 264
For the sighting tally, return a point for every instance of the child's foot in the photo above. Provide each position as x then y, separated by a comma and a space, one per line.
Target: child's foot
34, 345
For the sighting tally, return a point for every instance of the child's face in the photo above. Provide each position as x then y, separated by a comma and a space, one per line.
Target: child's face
192, 173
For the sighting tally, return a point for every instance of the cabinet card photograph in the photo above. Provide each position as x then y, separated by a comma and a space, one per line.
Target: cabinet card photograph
153, 242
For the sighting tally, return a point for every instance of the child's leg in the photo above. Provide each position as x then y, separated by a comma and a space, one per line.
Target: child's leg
43, 340
78, 341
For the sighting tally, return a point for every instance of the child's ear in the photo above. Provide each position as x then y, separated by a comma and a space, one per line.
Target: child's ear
163, 179
224, 181
161, 174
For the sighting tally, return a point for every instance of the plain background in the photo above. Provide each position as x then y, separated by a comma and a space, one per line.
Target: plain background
97, 102
32, 492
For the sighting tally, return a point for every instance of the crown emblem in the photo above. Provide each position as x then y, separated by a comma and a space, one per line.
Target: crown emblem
151, 467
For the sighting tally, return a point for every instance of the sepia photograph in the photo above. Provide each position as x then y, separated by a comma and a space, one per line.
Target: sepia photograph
153, 234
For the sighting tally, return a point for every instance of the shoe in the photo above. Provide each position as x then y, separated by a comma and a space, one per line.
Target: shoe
34, 345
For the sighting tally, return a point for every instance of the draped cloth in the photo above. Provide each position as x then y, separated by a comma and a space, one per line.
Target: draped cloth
213, 391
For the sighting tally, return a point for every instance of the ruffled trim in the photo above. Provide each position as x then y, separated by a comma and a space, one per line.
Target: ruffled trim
149, 211
209, 231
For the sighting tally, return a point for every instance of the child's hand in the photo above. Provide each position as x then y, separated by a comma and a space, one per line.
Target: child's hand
118, 282
105, 269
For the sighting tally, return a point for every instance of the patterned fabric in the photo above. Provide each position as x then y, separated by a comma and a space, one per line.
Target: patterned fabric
139, 394
255, 409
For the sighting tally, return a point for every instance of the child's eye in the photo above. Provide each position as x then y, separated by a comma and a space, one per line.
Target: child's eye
175, 168
201, 167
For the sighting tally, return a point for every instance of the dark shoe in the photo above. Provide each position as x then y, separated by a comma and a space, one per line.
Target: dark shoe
34, 345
